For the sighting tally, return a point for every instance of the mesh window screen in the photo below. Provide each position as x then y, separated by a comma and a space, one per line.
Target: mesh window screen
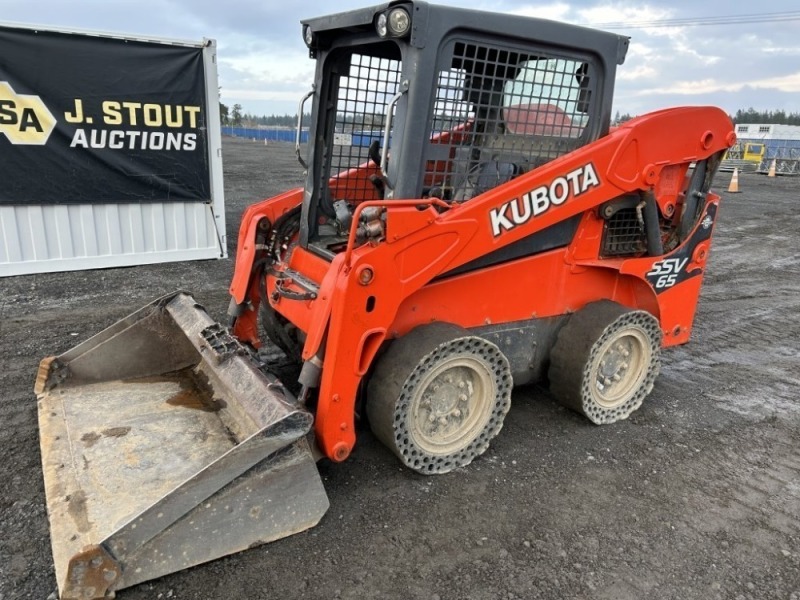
623, 234
500, 112
361, 99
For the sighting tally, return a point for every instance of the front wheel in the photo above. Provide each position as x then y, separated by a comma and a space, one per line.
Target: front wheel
605, 361
438, 396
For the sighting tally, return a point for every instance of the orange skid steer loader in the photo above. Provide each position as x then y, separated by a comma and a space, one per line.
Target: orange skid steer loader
469, 222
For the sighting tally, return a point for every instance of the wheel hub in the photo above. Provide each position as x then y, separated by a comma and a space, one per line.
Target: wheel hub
619, 369
614, 365
451, 403
445, 404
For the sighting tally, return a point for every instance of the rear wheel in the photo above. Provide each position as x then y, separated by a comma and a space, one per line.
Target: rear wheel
605, 361
438, 396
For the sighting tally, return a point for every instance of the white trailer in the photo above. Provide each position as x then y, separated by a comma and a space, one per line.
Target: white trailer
111, 152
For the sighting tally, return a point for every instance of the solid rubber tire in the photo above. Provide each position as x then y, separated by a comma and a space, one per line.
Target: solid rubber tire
576, 348
404, 365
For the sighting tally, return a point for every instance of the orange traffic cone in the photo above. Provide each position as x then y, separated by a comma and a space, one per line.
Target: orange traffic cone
733, 188
772, 168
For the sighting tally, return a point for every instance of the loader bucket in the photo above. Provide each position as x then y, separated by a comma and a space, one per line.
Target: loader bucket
164, 446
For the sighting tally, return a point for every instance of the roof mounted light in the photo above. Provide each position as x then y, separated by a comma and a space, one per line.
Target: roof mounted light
393, 23
398, 21
308, 35
380, 25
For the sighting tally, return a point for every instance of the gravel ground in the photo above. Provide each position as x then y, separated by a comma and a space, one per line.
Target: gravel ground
697, 495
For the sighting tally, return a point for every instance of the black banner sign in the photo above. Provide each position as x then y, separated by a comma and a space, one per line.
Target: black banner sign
88, 119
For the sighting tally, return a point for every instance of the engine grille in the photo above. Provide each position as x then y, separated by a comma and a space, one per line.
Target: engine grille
623, 234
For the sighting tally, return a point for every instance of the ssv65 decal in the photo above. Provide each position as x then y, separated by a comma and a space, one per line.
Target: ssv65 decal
678, 267
665, 272
539, 200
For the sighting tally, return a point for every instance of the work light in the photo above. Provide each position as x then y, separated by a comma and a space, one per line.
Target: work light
394, 23
399, 22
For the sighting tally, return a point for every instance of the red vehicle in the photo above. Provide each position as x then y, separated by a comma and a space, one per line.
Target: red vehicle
469, 223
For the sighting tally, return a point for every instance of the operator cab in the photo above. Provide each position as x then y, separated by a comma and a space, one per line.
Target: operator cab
398, 116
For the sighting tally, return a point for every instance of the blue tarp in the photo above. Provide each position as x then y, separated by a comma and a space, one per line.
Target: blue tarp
277, 135
360, 138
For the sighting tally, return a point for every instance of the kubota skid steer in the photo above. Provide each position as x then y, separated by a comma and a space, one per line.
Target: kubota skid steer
469, 222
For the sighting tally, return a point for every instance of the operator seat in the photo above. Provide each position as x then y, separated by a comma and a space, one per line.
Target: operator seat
530, 135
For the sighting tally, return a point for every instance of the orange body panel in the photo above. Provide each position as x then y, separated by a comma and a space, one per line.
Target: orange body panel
245, 248
543, 285
352, 318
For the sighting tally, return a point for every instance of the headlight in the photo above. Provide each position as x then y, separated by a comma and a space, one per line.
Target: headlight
399, 22
393, 23
380, 25
308, 35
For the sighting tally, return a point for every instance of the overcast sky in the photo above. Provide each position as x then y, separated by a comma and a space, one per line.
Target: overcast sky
264, 65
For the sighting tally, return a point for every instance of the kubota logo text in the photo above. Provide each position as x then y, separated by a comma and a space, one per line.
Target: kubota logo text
521, 210
24, 119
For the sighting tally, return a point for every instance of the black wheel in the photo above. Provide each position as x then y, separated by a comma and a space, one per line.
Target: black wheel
438, 396
605, 361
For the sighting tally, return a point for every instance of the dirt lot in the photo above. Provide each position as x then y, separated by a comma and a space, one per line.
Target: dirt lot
696, 496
